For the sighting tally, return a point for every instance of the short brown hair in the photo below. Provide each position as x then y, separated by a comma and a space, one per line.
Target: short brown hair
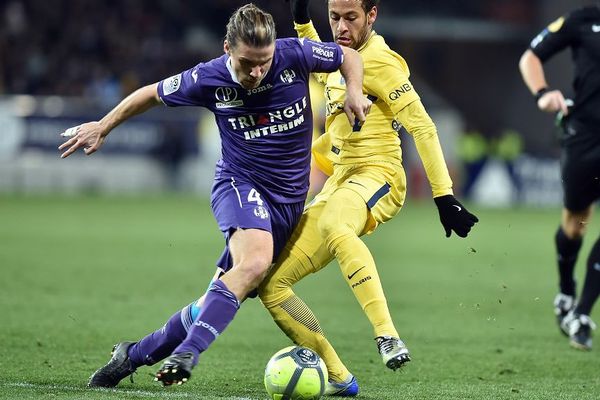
251, 26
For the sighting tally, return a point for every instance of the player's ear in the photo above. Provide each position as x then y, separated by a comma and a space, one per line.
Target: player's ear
372, 15
226, 46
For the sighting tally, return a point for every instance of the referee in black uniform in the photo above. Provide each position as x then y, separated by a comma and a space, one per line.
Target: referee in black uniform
580, 159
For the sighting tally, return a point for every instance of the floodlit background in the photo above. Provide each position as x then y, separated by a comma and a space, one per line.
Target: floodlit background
65, 62
96, 250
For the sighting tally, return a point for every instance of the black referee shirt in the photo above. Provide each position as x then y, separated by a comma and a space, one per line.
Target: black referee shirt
579, 30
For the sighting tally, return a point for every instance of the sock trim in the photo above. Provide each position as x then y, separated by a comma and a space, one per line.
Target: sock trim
221, 288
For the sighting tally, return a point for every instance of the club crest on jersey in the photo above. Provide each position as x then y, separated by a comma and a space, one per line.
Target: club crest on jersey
261, 212
287, 76
228, 97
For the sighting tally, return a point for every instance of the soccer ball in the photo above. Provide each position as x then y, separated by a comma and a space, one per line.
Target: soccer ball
295, 373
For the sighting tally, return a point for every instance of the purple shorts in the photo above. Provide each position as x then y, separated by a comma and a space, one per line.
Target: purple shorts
238, 204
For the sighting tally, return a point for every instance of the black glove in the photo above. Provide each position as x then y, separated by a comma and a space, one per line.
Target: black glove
454, 216
300, 11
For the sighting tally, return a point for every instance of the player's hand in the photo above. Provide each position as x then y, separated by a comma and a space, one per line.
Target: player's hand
454, 216
357, 107
300, 10
89, 136
553, 101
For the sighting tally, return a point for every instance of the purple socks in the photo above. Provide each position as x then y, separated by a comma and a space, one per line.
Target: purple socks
159, 344
220, 306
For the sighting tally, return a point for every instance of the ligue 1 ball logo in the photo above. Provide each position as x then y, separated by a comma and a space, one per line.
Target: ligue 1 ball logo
295, 373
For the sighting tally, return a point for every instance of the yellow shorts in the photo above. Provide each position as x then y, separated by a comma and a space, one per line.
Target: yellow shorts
382, 186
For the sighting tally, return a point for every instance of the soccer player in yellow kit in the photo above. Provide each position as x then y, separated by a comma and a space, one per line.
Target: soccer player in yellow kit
366, 187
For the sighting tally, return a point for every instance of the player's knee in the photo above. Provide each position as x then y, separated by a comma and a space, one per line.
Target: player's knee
332, 230
275, 288
273, 294
344, 215
331, 226
574, 228
574, 231
325, 226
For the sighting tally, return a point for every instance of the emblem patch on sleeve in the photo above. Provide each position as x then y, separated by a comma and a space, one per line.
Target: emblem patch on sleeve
556, 25
171, 85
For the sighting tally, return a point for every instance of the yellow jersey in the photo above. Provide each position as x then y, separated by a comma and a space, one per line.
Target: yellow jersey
395, 104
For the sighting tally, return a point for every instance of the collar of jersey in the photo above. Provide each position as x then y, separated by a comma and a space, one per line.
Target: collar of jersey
371, 35
231, 71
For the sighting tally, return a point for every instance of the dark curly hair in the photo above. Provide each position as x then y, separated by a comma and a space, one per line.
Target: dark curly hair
368, 4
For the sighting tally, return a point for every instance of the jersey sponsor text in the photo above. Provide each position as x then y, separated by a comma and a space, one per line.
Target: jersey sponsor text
395, 95
273, 121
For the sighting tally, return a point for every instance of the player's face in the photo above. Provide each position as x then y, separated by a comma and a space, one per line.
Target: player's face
250, 64
349, 23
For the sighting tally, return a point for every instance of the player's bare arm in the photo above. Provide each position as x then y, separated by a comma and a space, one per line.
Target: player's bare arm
356, 104
91, 135
533, 74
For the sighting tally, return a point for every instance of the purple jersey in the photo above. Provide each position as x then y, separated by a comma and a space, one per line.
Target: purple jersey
265, 132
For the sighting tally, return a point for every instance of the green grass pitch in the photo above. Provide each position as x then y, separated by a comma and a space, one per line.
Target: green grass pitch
79, 274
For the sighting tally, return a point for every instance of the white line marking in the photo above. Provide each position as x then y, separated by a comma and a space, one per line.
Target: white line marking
164, 394
141, 393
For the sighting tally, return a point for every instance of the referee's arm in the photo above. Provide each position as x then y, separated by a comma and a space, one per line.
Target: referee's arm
533, 74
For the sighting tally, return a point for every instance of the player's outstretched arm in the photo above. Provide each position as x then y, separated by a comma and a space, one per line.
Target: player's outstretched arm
454, 216
532, 72
356, 105
90, 136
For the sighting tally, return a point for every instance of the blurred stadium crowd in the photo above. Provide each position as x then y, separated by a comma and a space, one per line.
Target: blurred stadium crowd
68, 53
96, 48
108, 48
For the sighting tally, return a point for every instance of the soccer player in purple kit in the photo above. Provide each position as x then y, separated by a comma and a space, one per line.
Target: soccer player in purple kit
258, 92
